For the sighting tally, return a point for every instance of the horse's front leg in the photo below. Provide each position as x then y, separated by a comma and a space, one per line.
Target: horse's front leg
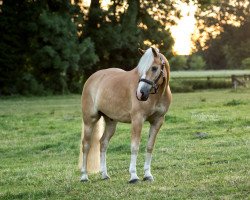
154, 129
135, 142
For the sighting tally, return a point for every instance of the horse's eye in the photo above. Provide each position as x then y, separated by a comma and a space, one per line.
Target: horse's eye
154, 69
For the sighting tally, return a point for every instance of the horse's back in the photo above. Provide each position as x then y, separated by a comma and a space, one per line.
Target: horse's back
100, 77
101, 74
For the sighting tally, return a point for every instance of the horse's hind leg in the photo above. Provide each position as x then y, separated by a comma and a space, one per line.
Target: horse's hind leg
108, 133
88, 129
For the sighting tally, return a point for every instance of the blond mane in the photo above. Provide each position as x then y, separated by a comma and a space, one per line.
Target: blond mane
146, 61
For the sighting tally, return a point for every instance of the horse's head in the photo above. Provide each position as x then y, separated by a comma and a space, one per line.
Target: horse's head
150, 69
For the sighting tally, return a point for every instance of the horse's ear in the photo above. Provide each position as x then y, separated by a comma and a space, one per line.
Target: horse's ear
141, 51
154, 52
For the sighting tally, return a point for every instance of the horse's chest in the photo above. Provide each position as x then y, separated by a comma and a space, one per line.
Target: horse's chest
162, 109
159, 109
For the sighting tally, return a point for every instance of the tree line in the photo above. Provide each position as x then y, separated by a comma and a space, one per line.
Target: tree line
229, 48
52, 46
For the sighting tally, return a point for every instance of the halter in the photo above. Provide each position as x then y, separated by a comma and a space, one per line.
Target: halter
154, 83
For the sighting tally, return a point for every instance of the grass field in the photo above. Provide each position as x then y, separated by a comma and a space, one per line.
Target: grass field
202, 151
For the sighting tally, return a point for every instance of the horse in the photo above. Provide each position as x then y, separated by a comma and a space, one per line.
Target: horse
114, 95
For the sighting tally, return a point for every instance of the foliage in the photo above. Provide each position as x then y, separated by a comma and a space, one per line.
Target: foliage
58, 52
54, 46
118, 34
229, 48
213, 16
234, 102
182, 62
46, 53
14, 45
51, 47
178, 62
196, 62
40, 146
229, 42
245, 63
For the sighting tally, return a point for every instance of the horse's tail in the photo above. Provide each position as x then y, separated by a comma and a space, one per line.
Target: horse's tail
93, 160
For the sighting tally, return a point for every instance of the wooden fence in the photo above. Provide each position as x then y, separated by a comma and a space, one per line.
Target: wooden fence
238, 77
240, 80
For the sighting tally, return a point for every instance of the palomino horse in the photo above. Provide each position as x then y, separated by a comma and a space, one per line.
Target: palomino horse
142, 94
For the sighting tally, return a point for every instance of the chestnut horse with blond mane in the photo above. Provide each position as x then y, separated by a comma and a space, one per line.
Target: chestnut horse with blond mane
114, 95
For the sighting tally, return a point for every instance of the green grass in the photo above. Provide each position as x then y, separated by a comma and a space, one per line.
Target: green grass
202, 151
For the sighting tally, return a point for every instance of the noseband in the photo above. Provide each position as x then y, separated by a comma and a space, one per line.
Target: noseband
154, 83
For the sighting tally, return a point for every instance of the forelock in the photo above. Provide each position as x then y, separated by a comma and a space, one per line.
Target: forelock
146, 61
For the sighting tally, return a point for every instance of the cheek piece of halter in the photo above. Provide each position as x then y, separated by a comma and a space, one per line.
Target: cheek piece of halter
154, 83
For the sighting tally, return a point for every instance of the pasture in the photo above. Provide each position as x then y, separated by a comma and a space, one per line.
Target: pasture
202, 150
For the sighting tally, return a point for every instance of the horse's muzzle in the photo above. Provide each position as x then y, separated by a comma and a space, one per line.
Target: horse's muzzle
143, 94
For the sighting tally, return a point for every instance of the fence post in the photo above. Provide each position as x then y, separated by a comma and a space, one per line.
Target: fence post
234, 82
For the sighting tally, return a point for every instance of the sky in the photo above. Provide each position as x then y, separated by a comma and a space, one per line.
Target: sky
185, 26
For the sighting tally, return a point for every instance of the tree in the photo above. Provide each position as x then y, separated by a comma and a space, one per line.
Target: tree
196, 62
229, 48
57, 52
178, 62
245, 63
228, 42
118, 33
17, 25
52, 46
40, 47
213, 16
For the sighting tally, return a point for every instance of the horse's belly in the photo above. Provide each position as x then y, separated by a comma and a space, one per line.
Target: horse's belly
125, 118
115, 107
116, 114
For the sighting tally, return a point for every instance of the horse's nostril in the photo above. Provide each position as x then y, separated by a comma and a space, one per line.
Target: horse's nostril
142, 93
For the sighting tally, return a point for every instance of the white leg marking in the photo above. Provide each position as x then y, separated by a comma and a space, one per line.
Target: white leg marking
132, 168
103, 162
137, 123
147, 165
104, 166
84, 176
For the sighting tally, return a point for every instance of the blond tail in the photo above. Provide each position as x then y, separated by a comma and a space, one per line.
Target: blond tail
93, 160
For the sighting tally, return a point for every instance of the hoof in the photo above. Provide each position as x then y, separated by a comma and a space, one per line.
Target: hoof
134, 181
84, 180
148, 178
106, 178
